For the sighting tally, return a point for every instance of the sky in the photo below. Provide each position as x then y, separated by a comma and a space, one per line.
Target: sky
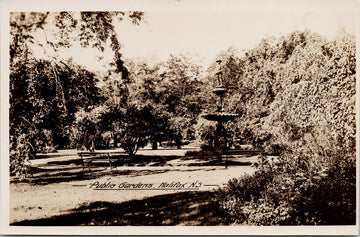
203, 30
206, 33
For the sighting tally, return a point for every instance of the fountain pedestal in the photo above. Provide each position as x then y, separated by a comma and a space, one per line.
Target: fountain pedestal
220, 144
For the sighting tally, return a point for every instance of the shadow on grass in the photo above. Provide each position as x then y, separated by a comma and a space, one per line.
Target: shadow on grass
79, 175
72, 170
46, 178
221, 163
125, 160
182, 208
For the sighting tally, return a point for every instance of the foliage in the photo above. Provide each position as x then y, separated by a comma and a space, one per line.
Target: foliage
134, 129
146, 90
309, 118
85, 129
45, 90
142, 108
171, 89
133, 126
295, 96
273, 196
43, 100
183, 81
292, 84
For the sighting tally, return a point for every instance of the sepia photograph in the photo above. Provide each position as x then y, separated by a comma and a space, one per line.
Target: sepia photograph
190, 114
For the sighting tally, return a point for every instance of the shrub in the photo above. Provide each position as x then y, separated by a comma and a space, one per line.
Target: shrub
20, 157
279, 195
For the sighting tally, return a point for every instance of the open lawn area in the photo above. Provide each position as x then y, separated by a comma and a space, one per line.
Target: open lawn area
61, 192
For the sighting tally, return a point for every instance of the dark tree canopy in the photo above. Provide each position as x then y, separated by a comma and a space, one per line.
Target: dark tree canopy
47, 91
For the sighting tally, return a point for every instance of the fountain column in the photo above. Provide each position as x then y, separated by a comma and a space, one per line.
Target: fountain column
220, 145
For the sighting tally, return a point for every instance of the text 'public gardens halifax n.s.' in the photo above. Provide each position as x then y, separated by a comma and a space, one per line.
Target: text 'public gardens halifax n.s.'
166, 185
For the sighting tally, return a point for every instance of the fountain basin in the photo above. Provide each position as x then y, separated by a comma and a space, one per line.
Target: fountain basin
220, 117
220, 90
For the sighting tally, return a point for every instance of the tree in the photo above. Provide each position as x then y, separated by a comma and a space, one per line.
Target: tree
321, 95
133, 131
46, 90
169, 90
297, 97
183, 80
86, 129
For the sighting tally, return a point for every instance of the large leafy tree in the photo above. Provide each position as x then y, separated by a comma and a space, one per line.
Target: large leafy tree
171, 89
183, 80
149, 91
288, 88
296, 95
316, 110
45, 89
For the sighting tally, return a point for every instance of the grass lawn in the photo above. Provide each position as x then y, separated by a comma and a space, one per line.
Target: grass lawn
60, 192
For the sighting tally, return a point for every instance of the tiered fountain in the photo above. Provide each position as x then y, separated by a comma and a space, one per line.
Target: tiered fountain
220, 144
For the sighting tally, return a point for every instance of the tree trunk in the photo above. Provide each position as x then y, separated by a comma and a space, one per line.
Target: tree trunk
115, 140
92, 145
59, 88
154, 144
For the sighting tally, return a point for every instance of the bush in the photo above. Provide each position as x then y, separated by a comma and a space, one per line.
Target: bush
277, 195
20, 157
85, 128
23, 148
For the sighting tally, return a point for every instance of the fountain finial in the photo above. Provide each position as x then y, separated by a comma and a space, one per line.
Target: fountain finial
219, 74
